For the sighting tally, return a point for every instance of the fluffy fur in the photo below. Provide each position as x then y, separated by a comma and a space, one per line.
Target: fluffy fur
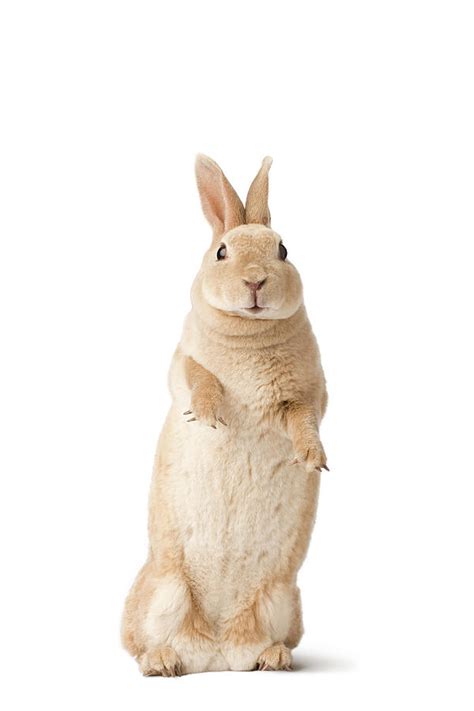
236, 477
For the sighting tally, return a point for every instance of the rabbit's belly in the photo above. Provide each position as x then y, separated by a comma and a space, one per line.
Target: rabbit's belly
240, 507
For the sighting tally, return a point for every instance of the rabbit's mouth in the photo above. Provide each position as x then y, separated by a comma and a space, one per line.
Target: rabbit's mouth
255, 309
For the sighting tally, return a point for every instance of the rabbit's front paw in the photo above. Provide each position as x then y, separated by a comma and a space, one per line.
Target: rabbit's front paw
205, 409
312, 455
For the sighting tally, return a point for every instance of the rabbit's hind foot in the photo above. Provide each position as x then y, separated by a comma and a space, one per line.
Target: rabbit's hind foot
275, 658
160, 661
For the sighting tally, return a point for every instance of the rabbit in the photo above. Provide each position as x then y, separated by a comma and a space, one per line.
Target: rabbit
237, 469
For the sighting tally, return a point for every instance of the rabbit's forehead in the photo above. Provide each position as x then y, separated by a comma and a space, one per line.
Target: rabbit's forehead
248, 236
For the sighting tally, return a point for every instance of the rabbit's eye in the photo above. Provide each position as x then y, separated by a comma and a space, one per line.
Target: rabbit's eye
283, 251
221, 252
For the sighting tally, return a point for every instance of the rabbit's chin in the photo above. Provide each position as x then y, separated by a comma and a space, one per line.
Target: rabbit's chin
265, 313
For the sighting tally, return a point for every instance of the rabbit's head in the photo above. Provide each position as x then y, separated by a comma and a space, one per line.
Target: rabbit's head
245, 272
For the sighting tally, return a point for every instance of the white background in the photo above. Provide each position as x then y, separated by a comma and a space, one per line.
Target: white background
367, 109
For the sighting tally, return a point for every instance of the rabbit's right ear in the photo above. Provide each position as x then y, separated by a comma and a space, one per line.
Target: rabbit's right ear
256, 205
220, 203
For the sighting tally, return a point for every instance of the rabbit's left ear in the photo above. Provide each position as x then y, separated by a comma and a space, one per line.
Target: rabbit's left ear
220, 203
256, 205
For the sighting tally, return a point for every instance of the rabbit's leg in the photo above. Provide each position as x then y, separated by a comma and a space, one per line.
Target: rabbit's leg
278, 656
301, 422
296, 626
155, 611
207, 394
258, 628
135, 609
179, 639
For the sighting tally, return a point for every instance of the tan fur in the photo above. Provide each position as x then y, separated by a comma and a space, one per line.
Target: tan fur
237, 469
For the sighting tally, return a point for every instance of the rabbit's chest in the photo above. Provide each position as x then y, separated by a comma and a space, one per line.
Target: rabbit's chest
260, 382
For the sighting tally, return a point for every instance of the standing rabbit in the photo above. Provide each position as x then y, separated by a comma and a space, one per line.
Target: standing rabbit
236, 477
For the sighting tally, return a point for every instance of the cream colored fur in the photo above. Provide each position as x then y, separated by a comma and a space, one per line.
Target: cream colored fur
236, 478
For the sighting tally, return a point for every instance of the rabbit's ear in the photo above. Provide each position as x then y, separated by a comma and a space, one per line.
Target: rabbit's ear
256, 205
221, 205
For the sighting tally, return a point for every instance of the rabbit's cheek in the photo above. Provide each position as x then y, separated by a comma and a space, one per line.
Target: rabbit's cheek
214, 294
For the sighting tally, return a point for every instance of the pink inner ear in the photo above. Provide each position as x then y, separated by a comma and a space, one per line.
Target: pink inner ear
220, 203
213, 207
234, 211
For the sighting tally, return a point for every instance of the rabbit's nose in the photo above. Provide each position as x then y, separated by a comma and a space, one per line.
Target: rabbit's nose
254, 285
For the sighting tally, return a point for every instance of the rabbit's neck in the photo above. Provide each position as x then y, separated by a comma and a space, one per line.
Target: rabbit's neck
235, 332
